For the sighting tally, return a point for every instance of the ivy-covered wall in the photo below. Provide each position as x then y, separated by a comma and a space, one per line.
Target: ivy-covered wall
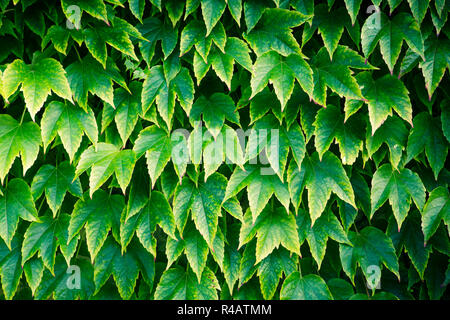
224, 149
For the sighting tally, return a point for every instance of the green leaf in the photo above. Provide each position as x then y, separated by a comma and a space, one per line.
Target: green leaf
281, 72
10, 269
16, 139
321, 178
277, 144
116, 35
274, 31
437, 59
215, 109
390, 34
196, 250
336, 74
156, 88
177, 284
103, 161
124, 268
353, 7
204, 201
310, 287
419, 9
383, 95
96, 215
128, 109
371, 247
330, 126
260, 188
271, 270
69, 123
62, 286
95, 8
426, 135
212, 10
45, 237
411, 238
399, 187
16, 202
394, 134
273, 227
436, 209
55, 182
88, 75
159, 148
37, 80
327, 226
137, 8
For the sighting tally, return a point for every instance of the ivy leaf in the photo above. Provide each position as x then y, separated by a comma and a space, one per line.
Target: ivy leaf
371, 247
330, 126
271, 269
336, 74
353, 7
124, 267
327, 226
383, 95
34, 272
212, 10
178, 284
277, 144
436, 209
95, 8
159, 147
281, 72
58, 36
394, 134
55, 285
37, 81
70, 123
116, 35
274, 31
427, 135
390, 34
55, 182
437, 59
260, 188
156, 88
204, 201
96, 215
153, 30
322, 177
17, 139
235, 7
309, 287
137, 8
329, 24
399, 187
215, 109
16, 202
10, 269
411, 238
156, 211
196, 250
103, 161
88, 75
273, 227
419, 9
45, 237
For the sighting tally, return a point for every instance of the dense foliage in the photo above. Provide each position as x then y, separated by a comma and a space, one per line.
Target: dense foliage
96, 204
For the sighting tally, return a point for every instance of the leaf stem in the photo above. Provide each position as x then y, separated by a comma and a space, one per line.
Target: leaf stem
23, 115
